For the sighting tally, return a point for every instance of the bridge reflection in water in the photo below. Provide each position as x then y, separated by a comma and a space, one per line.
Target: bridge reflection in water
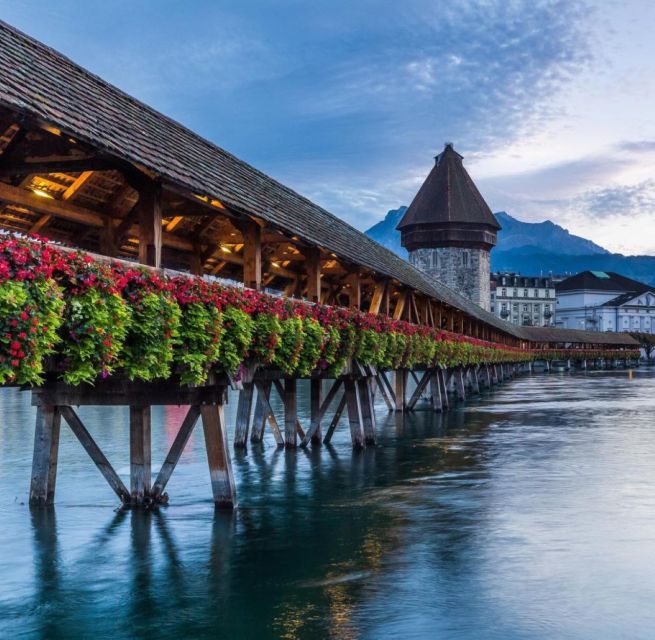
507, 518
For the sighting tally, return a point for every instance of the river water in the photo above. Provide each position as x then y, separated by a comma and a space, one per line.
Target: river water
527, 513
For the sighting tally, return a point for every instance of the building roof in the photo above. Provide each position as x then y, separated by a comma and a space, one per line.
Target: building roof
601, 281
576, 336
39, 82
624, 298
448, 195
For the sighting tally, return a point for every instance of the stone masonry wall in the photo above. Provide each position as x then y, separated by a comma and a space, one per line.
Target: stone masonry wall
463, 270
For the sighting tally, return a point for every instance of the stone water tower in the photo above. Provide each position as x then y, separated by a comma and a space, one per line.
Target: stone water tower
449, 229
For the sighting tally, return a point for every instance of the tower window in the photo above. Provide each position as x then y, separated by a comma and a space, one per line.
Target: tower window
435, 260
465, 259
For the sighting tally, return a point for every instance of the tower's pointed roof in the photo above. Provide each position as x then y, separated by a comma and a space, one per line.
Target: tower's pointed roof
448, 195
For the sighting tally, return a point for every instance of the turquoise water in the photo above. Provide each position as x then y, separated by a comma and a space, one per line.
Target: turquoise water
528, 513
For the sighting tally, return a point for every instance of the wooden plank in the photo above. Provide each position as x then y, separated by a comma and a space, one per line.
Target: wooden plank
244, 409
443, 383
335, 420
354, 415
44, 460
475, 382
459, 384
150, 224
218, 456
367, 410
252, 255
290, 413
140, 452
386, 385
176, 450
95, 453
320, 413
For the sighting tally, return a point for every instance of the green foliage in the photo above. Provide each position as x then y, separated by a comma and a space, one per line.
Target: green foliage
291, 344
30, 316
266, 338
152, 336
313, 338
331, 345
94, 331
236, 340
345, 350
198, 349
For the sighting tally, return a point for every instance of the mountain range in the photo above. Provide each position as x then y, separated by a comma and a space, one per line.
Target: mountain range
536, 248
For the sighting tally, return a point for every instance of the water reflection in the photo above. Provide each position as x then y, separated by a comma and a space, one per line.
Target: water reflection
482, 522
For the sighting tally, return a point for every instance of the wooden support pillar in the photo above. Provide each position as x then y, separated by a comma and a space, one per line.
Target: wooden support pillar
313, 273
150, 221
367, 409
315, 400
335, 420
400, 305
378, 296
107, 238
290, 414
264, 413
459, 384
400, 381
443, 382
252, 255
140, 452
475, 380
435, 391
354, 414
44, 460
244, 409
218, 456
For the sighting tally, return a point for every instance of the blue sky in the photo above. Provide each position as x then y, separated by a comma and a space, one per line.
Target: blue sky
551, 103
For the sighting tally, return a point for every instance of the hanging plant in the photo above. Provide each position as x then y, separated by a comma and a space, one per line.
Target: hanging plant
236, 340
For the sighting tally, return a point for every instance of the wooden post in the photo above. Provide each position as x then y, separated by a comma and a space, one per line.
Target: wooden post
443, 383
354, 415
459, 384
252, 255
264, 413
150, 221
244, 409
378, 296
218, 456
140, 452
335, 420
367, 410
475, 382
315, 399
290, 414
400, 380
313, 272
435, 390
44, 460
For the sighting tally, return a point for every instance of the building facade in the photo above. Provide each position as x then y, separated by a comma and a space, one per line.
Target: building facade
605, 301
523, 300
449, 230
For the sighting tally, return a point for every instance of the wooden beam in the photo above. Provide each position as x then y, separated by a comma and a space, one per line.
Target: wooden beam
312, 267
252, 255
95, 453
378, 295
218, 456
140, 452
150, 224
44, 461
354, 290
400, 305
74, 165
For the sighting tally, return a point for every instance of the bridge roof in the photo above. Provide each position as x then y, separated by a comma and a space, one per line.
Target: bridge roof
40, 82
554, 334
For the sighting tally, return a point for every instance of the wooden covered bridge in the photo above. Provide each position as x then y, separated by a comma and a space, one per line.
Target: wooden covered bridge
86, 165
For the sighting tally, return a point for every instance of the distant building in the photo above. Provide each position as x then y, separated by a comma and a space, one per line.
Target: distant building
523, 300
605, 301
449, 230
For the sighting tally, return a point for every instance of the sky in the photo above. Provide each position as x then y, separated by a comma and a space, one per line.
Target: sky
551, 103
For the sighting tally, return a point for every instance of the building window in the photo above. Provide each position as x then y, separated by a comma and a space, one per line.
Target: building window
525, 307
465, 259
525, 293
435, 260
516, 293
504, 293
536, 293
